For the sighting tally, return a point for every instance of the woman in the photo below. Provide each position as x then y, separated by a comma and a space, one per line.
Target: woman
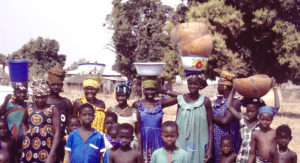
40, 127
224, 123
91, 87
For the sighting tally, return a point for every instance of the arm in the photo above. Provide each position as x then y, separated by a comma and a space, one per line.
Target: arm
24, 123
234, 112
139, 158
208, 153
166, 102
271, 156
228, 115
56, 137
3, 106
70, 107
67, 156
294, 158
76, 104
138, 131
251, 158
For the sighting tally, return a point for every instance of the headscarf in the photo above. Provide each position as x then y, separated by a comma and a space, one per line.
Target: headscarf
149, 83
40, 88
200, 77
268, 110
92, 82
124, 87
56, 76
226, 78
19, 85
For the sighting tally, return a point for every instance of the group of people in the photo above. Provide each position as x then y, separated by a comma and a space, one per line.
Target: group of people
52, 129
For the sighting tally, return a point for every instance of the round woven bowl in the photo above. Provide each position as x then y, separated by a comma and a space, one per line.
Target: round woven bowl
254, 86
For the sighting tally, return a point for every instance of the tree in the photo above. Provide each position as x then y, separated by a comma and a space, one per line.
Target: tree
251, 37
42, 55
138, 33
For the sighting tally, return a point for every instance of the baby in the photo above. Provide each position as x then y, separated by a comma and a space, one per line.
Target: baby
282, 154
226, 154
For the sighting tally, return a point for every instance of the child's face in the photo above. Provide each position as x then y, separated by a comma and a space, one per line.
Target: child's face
4, 157
283, 139
265, 120
74, 123
108, 122
55, 87
169, 135
150, 93
40, 100
121, 98
251, 112
20, 95
125, 137
193, 86
90, 92
113, 133
86, 116
3, 129
226, 147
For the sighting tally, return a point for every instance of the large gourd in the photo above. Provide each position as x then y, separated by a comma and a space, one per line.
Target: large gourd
254, 86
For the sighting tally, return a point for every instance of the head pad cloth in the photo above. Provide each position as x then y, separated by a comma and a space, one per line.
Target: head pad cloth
149, 83
92, 82
40, 88
124, 87
56, 76
257, 101
19, 86
200, 77
268, 110
226, 78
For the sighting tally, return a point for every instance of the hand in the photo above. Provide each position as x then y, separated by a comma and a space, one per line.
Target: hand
273, 82
162, 89
50, 159
207, 156
8, 97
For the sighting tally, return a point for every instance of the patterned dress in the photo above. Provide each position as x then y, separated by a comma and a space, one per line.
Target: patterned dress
150, 121
246, 141
193, 128
231, 129
38, 140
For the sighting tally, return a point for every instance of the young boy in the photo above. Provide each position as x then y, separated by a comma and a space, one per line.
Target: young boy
4, 156
226, 154
125, 154
110, 118
112, 137
7, 142
263, 140
282, 154
84, 144
170, 152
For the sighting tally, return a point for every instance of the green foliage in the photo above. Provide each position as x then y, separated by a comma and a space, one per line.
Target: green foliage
138, 33
42, 55
252, 37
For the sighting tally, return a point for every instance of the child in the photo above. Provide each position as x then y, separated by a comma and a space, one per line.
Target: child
125, 154
91, 87
149, 117
110, 118
4, 156
73, 123
113, 133
40, 126
85, 140
126, 114
194, 119
226, 154
170, 152
282, 154
263, 140
7, 142
13, 108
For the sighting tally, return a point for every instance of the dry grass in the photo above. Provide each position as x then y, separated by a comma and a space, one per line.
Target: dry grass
288, 114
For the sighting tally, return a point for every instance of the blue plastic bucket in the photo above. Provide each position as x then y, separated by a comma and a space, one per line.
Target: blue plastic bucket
18, 70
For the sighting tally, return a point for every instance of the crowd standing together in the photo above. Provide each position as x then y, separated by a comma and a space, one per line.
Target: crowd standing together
51, 129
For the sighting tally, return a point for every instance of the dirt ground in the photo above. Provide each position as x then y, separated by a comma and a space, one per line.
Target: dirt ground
288, 114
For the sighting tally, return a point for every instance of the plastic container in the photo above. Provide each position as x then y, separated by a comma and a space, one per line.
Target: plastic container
18, 70
93, 69
194, 63
149, 68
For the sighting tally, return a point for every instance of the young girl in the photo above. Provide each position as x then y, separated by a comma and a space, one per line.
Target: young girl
126, 113
91, 87
194, 119
40, 127
149, 117
13, 108
248, 121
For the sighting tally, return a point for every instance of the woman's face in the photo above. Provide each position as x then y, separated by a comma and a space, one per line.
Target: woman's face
150, 93
40, 101
20, 95
90, 92
121, 97
221, 89
193, 86
55, 87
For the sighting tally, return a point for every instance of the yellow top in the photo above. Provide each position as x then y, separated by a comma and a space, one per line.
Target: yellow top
98, 122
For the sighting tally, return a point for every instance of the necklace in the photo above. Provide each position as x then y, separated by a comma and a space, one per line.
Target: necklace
281, 154
122, 112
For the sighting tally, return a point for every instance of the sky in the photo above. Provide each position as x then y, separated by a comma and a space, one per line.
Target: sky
76, 24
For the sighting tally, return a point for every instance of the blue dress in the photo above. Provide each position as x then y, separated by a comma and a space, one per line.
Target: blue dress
150, 124
231, 129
